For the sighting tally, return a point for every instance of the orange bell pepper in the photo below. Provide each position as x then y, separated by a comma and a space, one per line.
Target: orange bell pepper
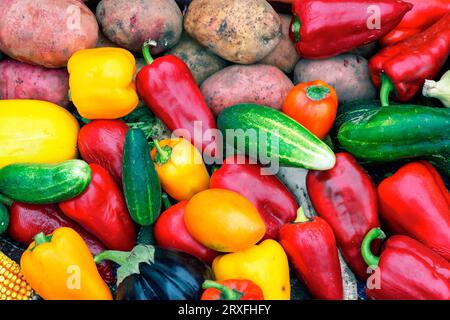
223, 220
60, 267
180, 168
313, 105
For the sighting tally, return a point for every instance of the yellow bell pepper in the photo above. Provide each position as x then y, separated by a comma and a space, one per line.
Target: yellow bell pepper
101, 82
36, 131
60, 267
180, 168
265, 264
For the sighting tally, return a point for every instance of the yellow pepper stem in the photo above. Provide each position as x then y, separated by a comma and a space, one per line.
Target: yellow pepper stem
41, 238
163, 154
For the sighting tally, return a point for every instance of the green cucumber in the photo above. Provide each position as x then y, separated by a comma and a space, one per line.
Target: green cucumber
397, 132
4, 218
41, 183
283, 138
141, 185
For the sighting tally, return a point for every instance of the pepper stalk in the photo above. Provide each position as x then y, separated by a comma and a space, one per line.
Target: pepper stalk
439, 90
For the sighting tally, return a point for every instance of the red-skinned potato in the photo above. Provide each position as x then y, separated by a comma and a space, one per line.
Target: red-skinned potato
130, 23
20, 80
46, 32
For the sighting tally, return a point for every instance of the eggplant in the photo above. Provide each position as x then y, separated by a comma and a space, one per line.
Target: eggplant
153, 273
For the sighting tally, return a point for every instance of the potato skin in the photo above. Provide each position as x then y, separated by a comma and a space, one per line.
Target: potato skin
130, 23
201, 61
284, 56
259, 83
347, 73
27, 30
239, 31
19, 80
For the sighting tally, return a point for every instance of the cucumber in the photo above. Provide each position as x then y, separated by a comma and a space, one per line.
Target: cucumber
39, 183
4, 218
141, 185
397, 132
275, 136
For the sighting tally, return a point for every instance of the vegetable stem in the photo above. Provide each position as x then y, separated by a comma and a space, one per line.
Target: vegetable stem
226, 292
119, 257
386, 88
368, 256
146, 50
301, 217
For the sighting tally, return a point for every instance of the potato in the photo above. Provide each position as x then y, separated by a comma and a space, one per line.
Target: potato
239, 31
46, 32
130, 23
347, 73
103, 41
201, 61
284, 56
24, 81
259, 83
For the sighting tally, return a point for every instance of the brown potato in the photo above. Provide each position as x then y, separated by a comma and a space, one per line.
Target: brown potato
201, 61
130, 23
19, 80
46, 32
284, 56
259, 83
347, 73
239, 31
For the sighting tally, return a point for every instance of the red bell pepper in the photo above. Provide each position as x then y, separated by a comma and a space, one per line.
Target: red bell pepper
231, 290
101, 142
170, 232
274, 202
421, 16
102, 211
415, 202
323, 29
406, 65
311, 247
27, 220
168, 88
346, 198
406, 270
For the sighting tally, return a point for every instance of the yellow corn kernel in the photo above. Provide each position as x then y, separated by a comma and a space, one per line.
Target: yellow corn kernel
12, 283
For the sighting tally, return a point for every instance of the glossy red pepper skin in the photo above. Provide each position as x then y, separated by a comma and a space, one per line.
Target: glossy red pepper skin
101, 142
245, 290
168, 88
408, 64
410, 271
421, 16
102, 211
311, 248
346, 198
27, 220
274, 202
170, 232
415, 202
331, 27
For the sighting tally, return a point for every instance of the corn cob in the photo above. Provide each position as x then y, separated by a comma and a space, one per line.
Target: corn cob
12, 283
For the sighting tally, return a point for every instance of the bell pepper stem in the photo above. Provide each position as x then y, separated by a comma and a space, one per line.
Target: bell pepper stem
301, 217
119, 257
163, 154
5, 200
368, 256
226, 292
296, 25
166, 201
146, 50
386, 88
317, 93
41, 238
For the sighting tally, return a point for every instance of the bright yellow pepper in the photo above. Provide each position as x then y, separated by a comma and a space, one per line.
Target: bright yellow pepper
101, 82
60, 267
36, 131
265, 264
180, 168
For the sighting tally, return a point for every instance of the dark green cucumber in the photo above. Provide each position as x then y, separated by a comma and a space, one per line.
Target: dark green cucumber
141, 185
397, 132
273, 133
38, 183
4, 218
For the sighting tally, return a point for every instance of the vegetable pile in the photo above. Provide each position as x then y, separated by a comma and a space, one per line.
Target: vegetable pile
224, 150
